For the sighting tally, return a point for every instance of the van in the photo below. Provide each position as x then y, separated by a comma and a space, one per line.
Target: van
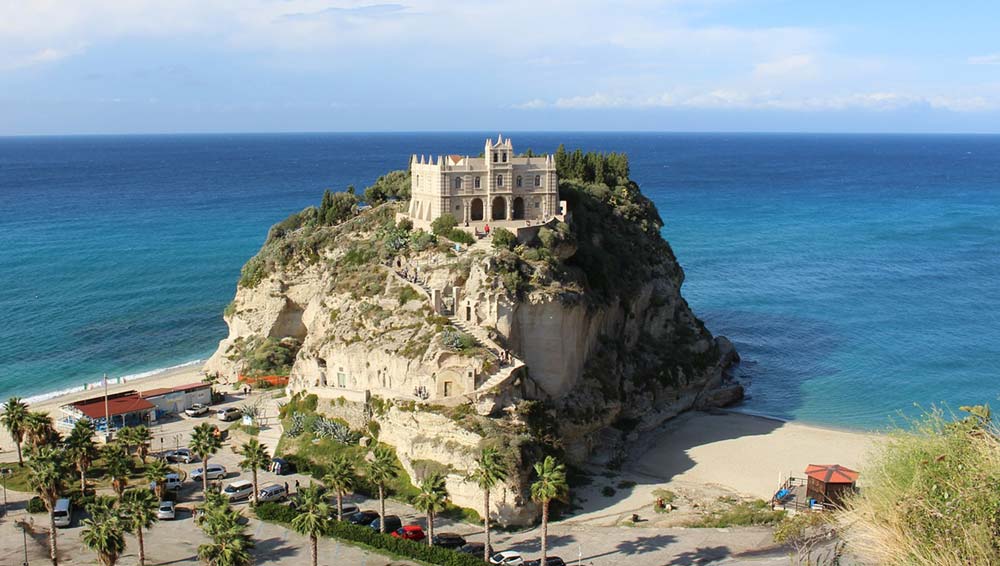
273, 492
62, 513
237, 490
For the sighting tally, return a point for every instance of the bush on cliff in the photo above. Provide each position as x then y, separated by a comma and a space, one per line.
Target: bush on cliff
930, 494
392, 185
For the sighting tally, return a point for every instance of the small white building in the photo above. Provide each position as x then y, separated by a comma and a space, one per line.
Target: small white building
499, 186
173, 400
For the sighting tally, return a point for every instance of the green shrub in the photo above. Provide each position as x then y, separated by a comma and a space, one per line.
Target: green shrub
739, 514
504, 239
274, 512
36, 505
395, 184
407, 294
443, 224
421, 240
460, 236
608, 491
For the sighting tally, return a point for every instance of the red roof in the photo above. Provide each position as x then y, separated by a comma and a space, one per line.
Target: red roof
455, 158
831, 473
118, 405
178, 389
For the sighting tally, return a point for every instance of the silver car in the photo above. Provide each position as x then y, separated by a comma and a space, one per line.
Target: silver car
166, 511
273, 492
215, 472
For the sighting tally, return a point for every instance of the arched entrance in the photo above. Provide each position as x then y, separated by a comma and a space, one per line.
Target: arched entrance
517, 213
499, 209
477, 209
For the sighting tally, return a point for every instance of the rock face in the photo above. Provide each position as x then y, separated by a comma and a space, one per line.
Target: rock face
603, 344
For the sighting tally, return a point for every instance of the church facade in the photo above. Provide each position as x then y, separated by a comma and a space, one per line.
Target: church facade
497, 187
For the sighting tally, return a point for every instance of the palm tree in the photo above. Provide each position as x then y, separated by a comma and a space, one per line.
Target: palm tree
342, 479
38, 428
119, 466
141, 437
139, 512
490, 471
81, 449
255, 457
156, 473
381, 469
205, 443
48, 468
105, 536
313, 518
433, 497
551, 484
125, 436
230, 544
15, 413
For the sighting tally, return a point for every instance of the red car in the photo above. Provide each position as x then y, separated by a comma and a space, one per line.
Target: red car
410, 532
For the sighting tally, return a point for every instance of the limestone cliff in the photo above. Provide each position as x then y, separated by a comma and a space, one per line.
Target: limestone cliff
572, 336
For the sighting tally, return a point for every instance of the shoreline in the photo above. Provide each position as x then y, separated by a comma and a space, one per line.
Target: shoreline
127, 379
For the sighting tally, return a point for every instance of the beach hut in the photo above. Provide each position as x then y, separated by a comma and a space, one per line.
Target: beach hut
828, 483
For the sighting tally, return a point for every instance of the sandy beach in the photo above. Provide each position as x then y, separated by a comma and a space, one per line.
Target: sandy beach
721, 453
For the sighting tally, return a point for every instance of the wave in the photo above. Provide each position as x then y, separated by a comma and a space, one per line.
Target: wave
111, 381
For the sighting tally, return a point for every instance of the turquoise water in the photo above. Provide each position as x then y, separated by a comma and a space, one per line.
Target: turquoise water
857, 275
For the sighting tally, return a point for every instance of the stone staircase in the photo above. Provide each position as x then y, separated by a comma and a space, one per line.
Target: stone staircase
501, 375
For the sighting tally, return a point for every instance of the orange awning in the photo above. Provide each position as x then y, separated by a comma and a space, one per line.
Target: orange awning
831, 473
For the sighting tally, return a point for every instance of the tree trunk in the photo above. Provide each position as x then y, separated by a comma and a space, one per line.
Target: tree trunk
142, 547
340, 506
313, 549
20, 459
204, 476
486, 524
545, 528
381, 501
430, 528
255, 500
83, 481
53, 551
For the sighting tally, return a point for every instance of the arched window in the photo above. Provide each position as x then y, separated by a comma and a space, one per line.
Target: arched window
458, 182
505, 157
499, 180
538, 180
476, 182
518, 180
495, 156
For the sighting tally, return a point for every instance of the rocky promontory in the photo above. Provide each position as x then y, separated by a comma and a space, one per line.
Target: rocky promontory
572, 338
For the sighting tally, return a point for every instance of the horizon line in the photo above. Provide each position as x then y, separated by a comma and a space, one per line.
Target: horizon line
516, 131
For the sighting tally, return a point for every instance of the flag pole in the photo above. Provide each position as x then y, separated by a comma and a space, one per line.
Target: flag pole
107, 413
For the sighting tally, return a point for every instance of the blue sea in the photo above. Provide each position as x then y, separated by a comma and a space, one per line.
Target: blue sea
857, 275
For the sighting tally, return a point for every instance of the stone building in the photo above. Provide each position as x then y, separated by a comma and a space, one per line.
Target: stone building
497, 187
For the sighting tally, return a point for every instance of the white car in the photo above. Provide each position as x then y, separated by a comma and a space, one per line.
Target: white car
166, 510
239, 489
273, 492
196, 410
507, 558
172, 482
215, 472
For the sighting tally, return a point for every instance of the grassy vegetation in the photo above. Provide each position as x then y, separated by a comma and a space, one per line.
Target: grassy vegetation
730, 512
930, 495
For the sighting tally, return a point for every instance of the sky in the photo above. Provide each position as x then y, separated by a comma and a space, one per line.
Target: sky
178, 66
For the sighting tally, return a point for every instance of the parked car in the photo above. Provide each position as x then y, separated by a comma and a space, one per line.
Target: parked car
172, 482
166, 511
181, 455
549, 561
362, 517
507, 558
215, 472
409, 532
451, 540
473, 548
349, 509
392, 522
282, 467
62, 513
239, 489
229, 414
272, 492
196, 410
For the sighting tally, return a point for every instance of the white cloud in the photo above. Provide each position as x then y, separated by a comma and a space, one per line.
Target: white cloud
10, 61
991, 59
793, 66
732, 99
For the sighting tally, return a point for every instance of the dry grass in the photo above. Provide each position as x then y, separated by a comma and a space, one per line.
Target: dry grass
932, 496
